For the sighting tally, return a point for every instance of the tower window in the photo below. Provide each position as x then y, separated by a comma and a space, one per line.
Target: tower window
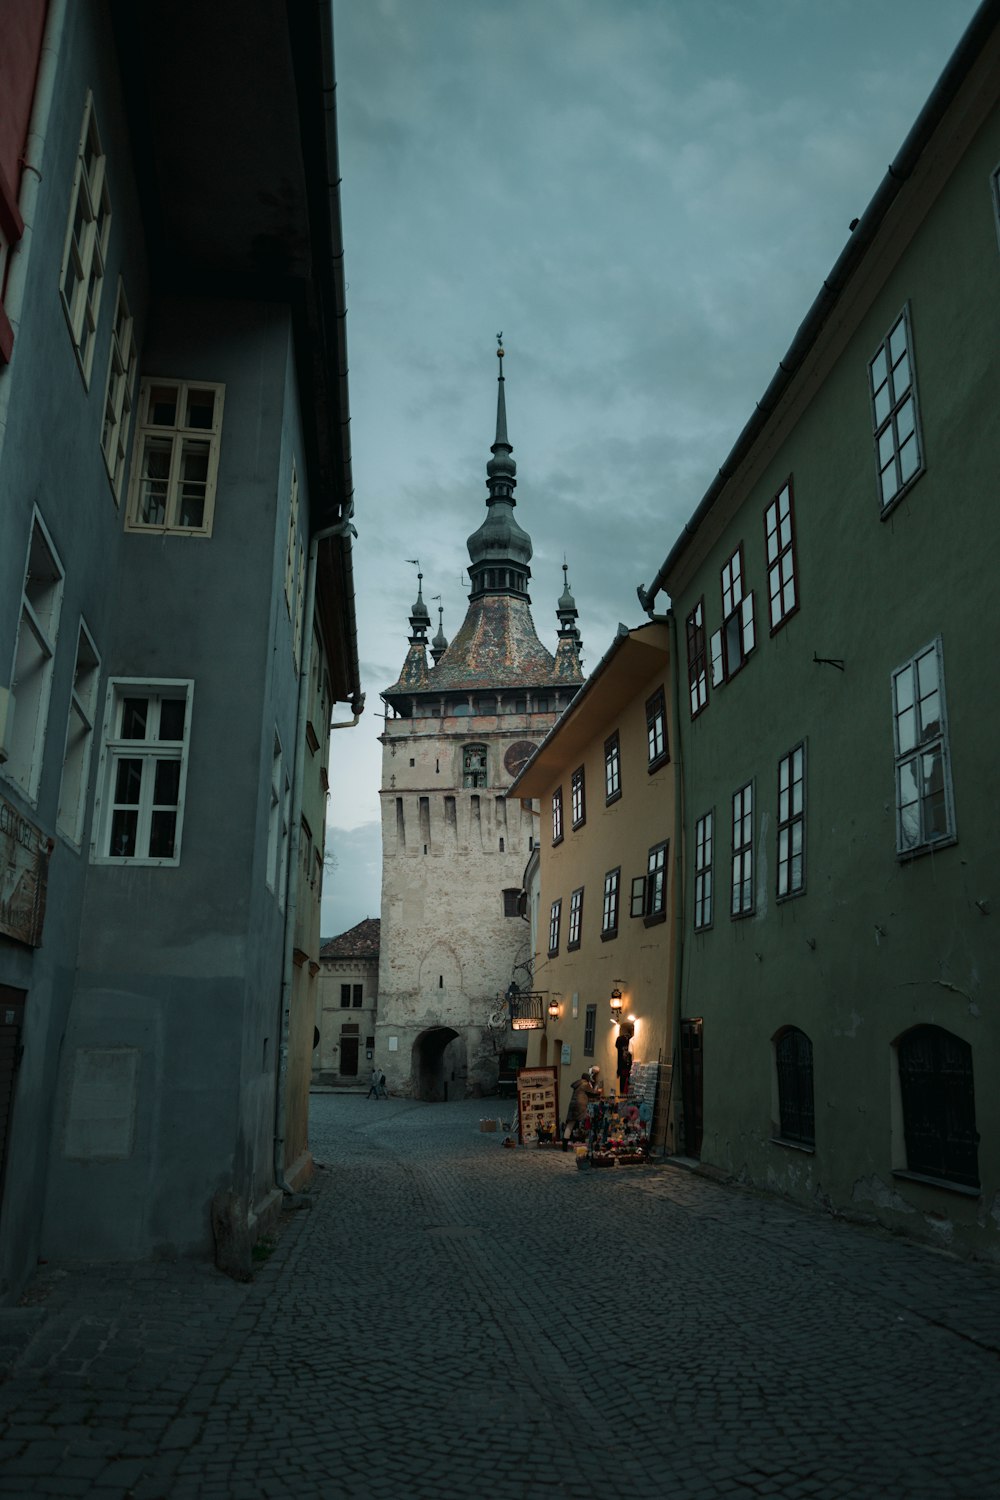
474, 765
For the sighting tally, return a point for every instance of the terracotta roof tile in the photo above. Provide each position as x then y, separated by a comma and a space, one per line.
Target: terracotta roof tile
361, 941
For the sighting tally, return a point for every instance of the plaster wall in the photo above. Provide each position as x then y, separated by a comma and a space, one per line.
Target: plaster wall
331, 1016
211, 933
617, 834
874, 944
449, 852
50, 459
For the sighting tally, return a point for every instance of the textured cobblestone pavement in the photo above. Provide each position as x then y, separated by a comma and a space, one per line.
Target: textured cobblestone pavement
455, 1320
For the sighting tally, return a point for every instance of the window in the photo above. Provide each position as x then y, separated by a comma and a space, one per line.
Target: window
612, 768
939, 1105
579, 798
697, 659
925, 814
742, 896
734, 642
274, 816
41, 604
143, 771
118, 394
589, 1030
557, 815
345, 997
793, 1055
779, 539
609, 920
292, 541
995, 192
512, 902
792, 823
895, 416
656, 730
474, 765
286, 814
649, 891
555, 914
84, 253
357, 996
79, 739
176, 460
703, 872
575, 919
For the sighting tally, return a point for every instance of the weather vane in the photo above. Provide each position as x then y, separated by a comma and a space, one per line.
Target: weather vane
500, 345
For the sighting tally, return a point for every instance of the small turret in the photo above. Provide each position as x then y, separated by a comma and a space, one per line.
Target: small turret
439, 644
570, 644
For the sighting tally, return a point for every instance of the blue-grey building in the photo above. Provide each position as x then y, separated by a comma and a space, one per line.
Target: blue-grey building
176, 611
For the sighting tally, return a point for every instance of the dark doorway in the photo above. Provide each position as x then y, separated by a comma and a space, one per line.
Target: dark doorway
691, 1085
11, 1023
440, 1069
349, 1055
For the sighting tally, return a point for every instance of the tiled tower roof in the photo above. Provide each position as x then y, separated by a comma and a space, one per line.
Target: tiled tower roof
361, 941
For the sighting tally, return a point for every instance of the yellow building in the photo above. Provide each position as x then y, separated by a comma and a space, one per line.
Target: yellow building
609, 863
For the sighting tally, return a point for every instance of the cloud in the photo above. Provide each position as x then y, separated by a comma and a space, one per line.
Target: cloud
352, 877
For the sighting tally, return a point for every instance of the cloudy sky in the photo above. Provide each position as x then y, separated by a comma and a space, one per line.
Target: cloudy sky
644, 196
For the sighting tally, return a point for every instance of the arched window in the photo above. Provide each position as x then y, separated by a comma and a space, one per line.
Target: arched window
939, 1105
794, 1058
474, 765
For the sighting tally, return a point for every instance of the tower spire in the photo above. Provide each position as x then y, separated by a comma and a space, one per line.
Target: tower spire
500, 550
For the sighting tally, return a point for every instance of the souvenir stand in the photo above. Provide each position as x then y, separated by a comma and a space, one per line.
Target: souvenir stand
617, 1130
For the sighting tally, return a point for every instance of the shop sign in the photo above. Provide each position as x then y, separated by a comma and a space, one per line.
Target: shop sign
536, 1103
24, 865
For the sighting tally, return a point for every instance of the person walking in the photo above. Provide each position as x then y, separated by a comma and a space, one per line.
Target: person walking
373, 1084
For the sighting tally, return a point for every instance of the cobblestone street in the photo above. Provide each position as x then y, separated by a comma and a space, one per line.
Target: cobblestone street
452, 1319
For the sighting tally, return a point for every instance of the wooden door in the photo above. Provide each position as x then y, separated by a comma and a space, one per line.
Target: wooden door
691, 1084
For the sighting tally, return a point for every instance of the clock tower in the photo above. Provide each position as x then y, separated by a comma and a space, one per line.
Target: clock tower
454, 846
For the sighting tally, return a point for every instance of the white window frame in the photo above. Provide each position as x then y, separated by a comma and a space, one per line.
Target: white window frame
895, 409
122, 363
612, 767
82, 715
286, 814
179, 436
578, 797
611, 903
732, 645
779, 543
791, 871
928, 737
704, 851
81, 276
741, 893
557, 816
274, 814
555, 921
575, 919
150, 750
34, 654
291, 547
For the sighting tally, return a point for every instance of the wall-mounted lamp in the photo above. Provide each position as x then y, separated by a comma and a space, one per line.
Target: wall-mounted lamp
553, 1008
616, 1003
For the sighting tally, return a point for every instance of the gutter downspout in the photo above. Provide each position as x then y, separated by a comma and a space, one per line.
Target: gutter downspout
675, 698
341, 529
31, 181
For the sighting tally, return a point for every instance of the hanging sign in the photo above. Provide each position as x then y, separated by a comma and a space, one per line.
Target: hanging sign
536, 1103
24, 862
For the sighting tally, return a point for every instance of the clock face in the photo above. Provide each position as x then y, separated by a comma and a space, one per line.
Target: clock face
518, 755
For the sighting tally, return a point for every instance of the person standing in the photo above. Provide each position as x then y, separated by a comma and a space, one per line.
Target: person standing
585, 1090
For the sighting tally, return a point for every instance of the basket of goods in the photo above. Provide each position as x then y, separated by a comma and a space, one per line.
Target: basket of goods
582, 1158
602, 1159
631, 1158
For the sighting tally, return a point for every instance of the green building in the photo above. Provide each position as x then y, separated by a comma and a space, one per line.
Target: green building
838, 635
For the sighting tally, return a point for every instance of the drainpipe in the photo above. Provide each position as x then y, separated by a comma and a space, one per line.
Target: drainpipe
344, 530
675, 700
31, 180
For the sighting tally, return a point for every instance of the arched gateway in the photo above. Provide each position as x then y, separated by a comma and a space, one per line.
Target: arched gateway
440, 1066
